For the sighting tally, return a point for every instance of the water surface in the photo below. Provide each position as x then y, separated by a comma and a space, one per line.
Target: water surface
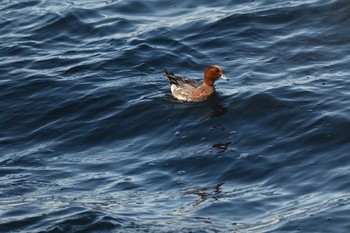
92, 141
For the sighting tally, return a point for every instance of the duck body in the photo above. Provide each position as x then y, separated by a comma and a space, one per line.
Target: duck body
186, 89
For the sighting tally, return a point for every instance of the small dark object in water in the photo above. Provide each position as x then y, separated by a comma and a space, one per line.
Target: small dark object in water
221, 147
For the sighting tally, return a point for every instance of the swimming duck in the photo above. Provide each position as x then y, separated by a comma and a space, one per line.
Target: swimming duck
186, 89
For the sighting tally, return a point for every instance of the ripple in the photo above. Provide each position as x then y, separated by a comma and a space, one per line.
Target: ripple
91, 138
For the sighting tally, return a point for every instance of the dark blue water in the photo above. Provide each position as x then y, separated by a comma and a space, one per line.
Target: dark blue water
92, 141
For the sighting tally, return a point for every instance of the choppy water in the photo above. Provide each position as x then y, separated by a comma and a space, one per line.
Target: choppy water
92, 141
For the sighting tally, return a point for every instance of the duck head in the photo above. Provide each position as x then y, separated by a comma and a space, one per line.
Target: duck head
213, 73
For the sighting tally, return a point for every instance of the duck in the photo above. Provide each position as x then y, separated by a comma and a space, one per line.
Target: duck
186, 89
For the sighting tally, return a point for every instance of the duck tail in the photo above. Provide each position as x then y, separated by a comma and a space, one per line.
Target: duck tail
171, 77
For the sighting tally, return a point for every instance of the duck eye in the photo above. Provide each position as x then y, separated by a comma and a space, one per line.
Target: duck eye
217, 70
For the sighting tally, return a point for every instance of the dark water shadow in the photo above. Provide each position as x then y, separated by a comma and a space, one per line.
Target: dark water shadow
205, 193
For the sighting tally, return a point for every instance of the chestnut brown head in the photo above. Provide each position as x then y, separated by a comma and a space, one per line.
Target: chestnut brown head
213, 73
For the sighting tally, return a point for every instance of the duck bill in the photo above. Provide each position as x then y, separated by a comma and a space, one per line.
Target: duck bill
224, 77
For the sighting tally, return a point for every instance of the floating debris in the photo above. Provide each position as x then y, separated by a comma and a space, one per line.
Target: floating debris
221, 147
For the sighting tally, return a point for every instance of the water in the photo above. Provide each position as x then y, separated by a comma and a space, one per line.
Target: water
92, 141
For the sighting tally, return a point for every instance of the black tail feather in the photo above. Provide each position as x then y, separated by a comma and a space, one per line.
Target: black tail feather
171, 76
